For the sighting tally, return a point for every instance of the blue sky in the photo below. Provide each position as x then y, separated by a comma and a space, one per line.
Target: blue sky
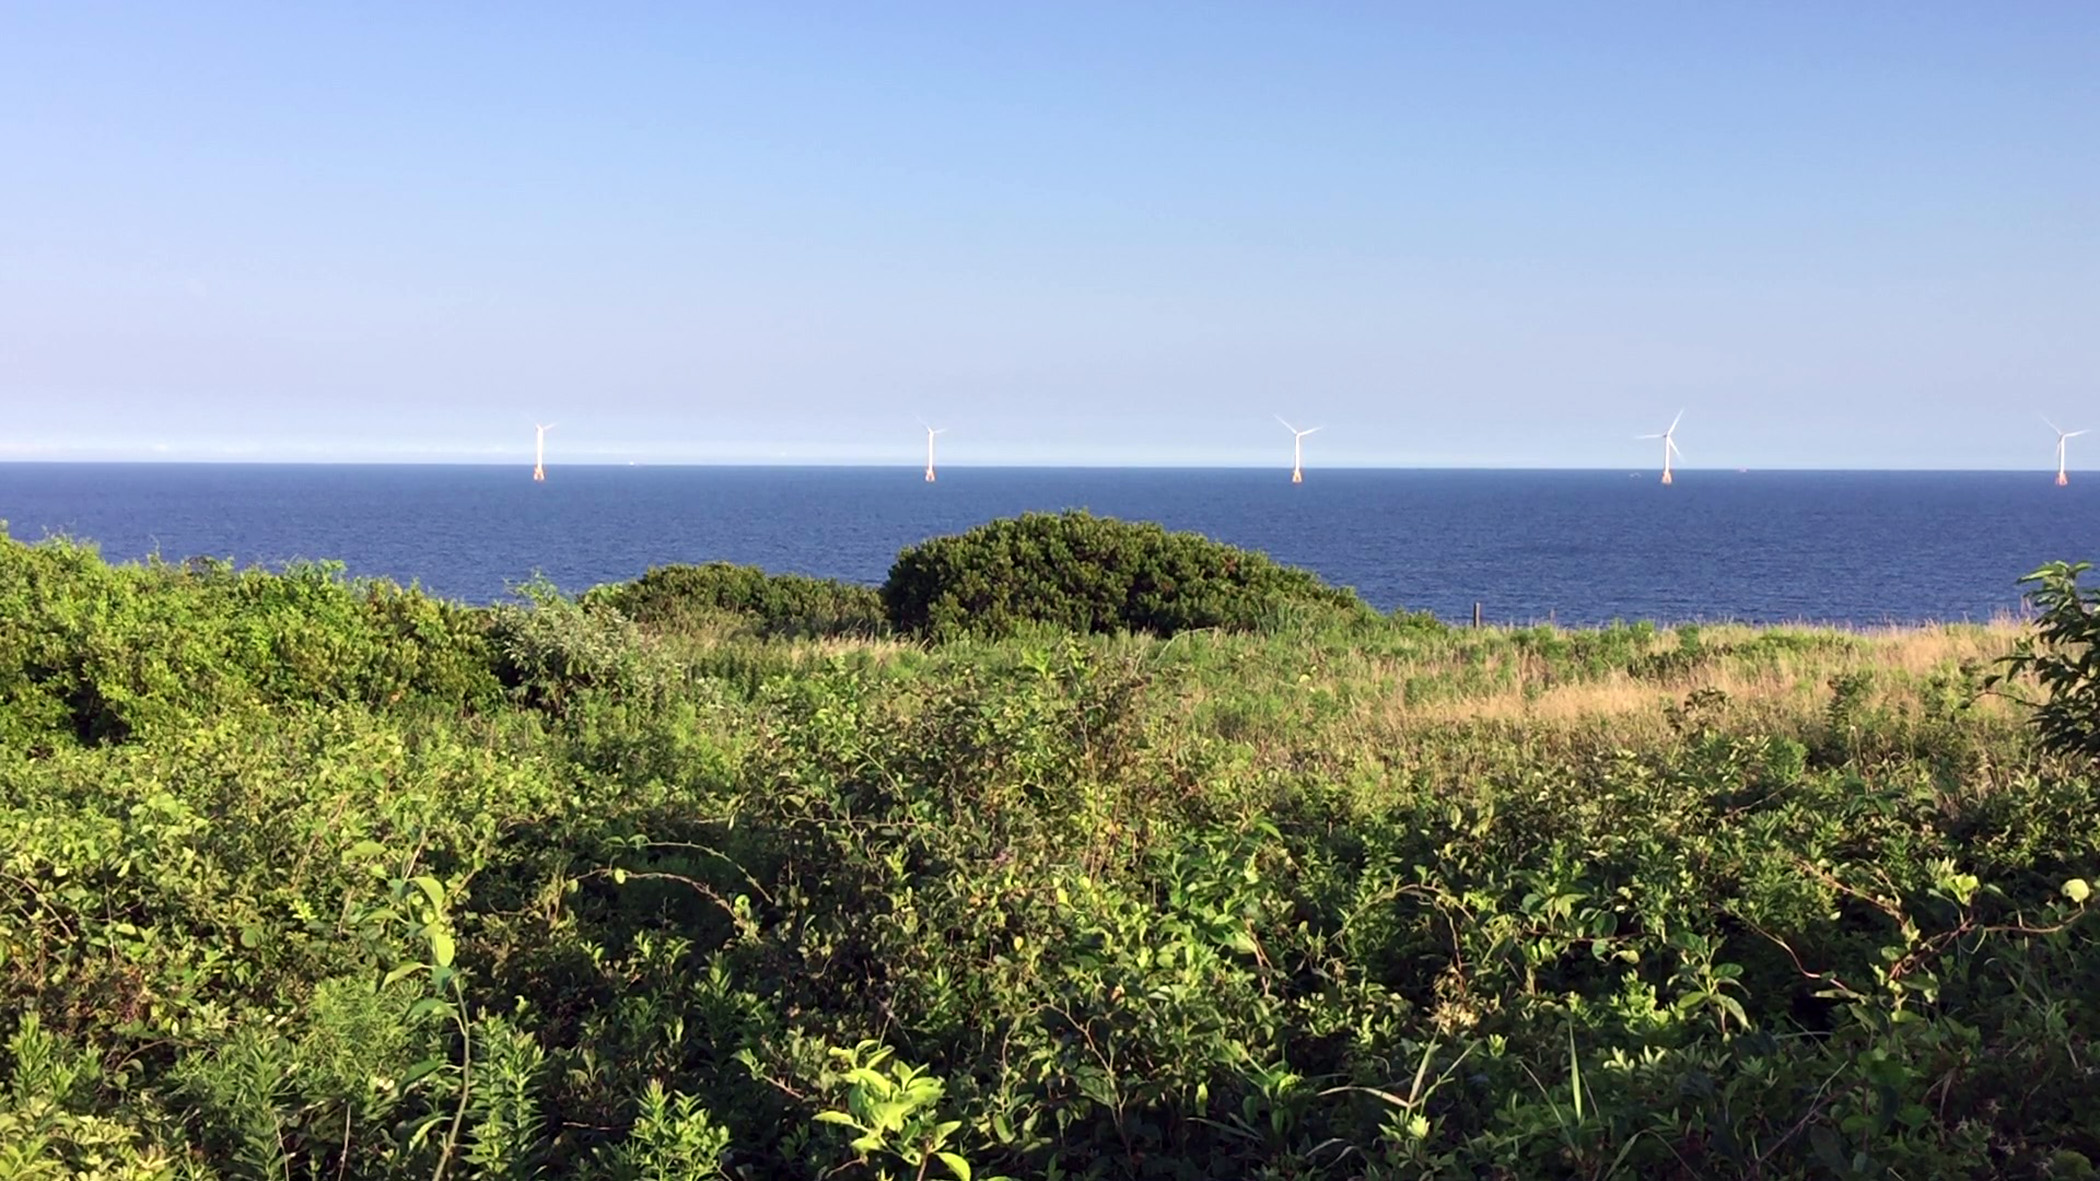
1838, 235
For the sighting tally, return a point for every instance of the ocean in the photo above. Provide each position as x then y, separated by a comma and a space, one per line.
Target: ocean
1581, 547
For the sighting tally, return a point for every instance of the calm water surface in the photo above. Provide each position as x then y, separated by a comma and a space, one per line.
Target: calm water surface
1588, 547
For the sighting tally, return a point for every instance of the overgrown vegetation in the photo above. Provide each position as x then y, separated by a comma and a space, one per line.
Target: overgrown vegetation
309, 878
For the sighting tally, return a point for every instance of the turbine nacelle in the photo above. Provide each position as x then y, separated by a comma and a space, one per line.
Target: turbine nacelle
1294, 430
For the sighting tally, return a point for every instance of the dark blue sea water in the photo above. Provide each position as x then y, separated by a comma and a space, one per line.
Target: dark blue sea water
1587, 547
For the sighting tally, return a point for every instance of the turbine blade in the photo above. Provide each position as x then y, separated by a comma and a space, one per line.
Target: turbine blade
2075, 434
1675, 421
2052, 426
1314, 430
1287, 426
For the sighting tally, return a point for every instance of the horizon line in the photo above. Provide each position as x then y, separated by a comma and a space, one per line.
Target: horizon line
916, 465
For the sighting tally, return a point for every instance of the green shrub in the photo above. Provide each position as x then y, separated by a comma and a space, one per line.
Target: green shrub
556, 648
1086, 574
2063, 657
683, 598
94, 653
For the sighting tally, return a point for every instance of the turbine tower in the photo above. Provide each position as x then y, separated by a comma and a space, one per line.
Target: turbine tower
2061, 435
930, 433
1297, 450
1669, 438
539, 451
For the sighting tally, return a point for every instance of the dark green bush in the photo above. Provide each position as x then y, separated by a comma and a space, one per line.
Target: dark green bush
681, 598
1094, 574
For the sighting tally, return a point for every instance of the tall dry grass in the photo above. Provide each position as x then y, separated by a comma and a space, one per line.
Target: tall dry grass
1464, 705
1899, 660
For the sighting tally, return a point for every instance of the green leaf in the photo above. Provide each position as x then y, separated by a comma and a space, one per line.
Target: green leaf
1733, 1007
2077, 890
423, 1070
431, 890
441, 947
1829, 1149
423, 1128
428, 1004
956, 1164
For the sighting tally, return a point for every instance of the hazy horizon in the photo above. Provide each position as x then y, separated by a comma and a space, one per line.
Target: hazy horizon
1860, 237
525, 466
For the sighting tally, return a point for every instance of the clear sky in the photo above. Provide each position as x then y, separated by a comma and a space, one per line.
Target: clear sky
1860, 234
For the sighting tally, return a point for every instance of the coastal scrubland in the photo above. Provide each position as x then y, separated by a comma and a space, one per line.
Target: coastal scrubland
1077, 850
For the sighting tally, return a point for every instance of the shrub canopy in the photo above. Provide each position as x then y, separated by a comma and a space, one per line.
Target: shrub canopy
676, 598
1085, 573
100, 653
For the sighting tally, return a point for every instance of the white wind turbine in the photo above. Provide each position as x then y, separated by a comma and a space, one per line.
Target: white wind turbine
930, 433
2061, 435
539, 450
1669, 438
1297, 450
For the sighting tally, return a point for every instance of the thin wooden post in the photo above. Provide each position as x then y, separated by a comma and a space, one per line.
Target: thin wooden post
1476, 614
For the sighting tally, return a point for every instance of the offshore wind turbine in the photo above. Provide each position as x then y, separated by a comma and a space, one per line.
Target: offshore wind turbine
2061, 435
1669, 438
539, 450
930, 433
1297, 450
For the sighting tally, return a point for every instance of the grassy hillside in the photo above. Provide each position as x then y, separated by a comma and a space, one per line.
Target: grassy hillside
306, 878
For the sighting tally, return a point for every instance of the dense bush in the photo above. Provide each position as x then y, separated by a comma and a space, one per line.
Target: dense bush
93, 653
511, 895
551, 649
683, 598
1091, 574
